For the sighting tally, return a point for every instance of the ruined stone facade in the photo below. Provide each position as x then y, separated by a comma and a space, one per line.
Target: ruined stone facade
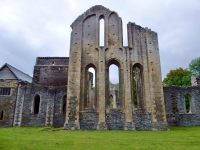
142, 52
176, 106
195, 81
62, 93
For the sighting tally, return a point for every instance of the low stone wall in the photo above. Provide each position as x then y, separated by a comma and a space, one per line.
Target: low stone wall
88, 120
142, 120
59, 120
176, 109
50, 108
115, 120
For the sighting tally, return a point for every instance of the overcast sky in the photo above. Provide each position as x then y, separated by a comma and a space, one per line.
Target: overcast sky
32, 28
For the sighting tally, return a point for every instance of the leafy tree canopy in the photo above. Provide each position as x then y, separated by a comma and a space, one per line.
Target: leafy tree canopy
194, 66
178, 77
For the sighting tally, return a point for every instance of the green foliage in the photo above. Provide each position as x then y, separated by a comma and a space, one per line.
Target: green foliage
178, 77
111, 101
194, 66
187, 102
117, 87
134, 87
48, 138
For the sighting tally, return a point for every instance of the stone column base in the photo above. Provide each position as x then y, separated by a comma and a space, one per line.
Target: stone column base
102, 126
129, 126
71, 126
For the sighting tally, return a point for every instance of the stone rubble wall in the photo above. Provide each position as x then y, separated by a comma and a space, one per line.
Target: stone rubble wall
142, 120
88, 120
7, 102
48, 74
175, 106
115, 120
50, 113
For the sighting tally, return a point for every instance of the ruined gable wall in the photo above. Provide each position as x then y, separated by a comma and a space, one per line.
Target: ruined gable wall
176, 109
86, 50
51, 71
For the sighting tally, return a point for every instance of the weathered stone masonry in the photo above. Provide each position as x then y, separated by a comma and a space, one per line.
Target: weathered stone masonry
176, 108
7, 103
142, 52
61, 91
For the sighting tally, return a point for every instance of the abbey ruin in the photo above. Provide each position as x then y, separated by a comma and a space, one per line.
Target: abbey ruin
61, 92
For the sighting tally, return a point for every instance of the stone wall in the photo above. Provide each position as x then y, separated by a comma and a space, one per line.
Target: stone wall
176, 109
7, 102
88, 120
142, 120
50, 108
86, 52
195, 80
51, 71
115, 119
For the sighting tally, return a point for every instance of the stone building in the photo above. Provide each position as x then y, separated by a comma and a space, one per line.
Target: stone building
61, 91
10, 80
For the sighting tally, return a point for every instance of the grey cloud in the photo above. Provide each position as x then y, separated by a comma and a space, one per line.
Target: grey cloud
42, 28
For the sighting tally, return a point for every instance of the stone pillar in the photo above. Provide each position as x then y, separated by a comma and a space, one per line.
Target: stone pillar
129, 125
49, 113
101, 93
159, 121
74, 79
90, 94
114, 100
19, 105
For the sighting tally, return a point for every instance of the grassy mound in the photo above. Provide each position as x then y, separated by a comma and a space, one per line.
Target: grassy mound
41, 138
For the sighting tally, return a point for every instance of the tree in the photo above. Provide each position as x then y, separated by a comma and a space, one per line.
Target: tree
178, 77
194, 66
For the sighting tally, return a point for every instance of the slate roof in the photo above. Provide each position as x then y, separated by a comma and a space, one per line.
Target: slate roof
17, 73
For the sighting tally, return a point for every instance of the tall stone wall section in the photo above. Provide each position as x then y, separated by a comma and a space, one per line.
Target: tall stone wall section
144, 52
176, 108
85, 52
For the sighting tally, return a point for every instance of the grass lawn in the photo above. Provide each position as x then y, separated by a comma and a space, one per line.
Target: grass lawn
41, 138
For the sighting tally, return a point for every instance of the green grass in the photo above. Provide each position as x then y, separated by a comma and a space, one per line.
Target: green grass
41, 138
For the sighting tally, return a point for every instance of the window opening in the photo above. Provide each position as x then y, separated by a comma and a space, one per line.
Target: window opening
111, 101
36, 104
114, 74
1, 115
92, 76
135, 99
102, 32
137, 87
90, 88
125, 35
53, 63
187, 98
64, 104
4, 91
114, 85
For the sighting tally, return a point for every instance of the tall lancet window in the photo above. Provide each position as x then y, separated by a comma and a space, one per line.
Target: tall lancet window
101, 32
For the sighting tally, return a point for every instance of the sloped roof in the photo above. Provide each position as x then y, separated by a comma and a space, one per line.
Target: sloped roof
18, 74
